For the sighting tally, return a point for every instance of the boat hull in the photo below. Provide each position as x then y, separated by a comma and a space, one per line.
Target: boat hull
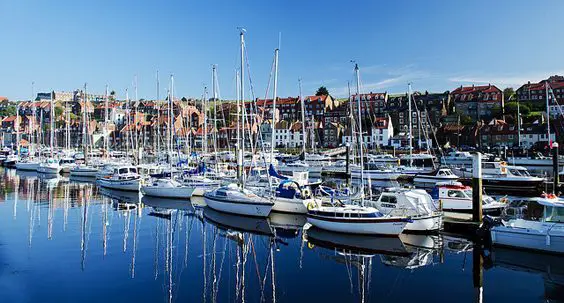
427, 223
245, 208
28, 166
495, 184
179, 192
546, 240
84, 172
293, 206
48, 170
128, 185
389, 227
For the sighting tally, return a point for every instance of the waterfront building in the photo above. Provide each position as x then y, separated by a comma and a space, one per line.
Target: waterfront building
478, 102
535, 94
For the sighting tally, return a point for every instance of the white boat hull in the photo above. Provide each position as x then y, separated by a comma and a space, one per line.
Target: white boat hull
376, 175
425, 223
392, 228
129, 185
240, 207
548, 238
179, 192
48, 169
28, 166
293, 206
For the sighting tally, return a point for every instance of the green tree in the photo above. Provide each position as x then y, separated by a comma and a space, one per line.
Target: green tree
184, 99
8, 111
322, 91
511, 108
466, 120
58, 111
509, 94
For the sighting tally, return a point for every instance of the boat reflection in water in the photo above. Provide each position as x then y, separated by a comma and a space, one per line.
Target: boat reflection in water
549, 267
255, 225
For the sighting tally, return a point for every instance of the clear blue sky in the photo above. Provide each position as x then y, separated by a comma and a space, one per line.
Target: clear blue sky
436, 45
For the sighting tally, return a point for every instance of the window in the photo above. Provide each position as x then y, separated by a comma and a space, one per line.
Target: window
455, 194
388, 199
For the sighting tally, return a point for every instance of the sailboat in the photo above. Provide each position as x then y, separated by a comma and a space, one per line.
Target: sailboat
356, 219
51, 164
234, 197
88, 169
168, 187
30, 163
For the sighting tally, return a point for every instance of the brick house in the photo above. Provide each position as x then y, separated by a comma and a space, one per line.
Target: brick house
478, 102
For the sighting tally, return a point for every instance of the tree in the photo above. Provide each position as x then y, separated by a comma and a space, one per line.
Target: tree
8, 111
58, 111
509, 94
184, 99
322, 91
511, 108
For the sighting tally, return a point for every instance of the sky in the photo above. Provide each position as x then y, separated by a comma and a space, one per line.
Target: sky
436, 45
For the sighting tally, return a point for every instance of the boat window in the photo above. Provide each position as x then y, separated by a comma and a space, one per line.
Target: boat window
488, 165
554, 214
388, 199
123, 170
442, 173
455, 194
468, 193
221, 193
133, 170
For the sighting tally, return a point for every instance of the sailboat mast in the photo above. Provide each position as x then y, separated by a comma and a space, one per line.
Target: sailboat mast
51, 124
304, 141
548, 117
158, 139
410, 124
33, 121
205, 128
360, 147
273, 123
242, 90
84, 130
170, 121
518, 124
127, 133
214, 89
106, 131
238, 144
17, 127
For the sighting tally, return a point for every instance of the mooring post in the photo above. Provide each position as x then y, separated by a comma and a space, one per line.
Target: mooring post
555, 167
477, 188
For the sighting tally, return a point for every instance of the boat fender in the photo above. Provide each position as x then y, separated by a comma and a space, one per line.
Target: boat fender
310, 245
306, 193
310, 205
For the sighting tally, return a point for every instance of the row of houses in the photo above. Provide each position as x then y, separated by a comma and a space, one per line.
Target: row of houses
385, 117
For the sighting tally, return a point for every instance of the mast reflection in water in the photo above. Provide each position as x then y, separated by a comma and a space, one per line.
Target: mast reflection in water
68, 241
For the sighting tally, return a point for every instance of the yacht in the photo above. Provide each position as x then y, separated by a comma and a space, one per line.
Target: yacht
429, 180
458, 158
10, 161
498, 176
81, 170
237, 200
356, 219
28, 164
455, 200
416, 204
200, 184
122, 178
545, 233
67, 163
167, 188
49, 166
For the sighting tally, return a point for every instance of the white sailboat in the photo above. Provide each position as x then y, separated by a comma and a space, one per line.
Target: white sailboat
356, 219
234, 198
51, 164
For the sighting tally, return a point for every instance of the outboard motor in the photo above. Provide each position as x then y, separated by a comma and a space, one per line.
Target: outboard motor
483, 232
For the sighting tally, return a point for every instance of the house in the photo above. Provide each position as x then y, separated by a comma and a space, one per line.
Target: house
497, 133
535, 93
478, 102
333, 134
533, 133
315, 106
371, 104
379, 134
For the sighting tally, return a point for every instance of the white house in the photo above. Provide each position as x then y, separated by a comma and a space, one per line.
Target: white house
288, 134
379, 135
533, 133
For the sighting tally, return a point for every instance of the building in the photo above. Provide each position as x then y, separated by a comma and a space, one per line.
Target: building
535, 93
478, 102
379, 134
497, 133
533, 133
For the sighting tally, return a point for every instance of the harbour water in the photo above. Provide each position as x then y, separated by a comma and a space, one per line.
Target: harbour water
68, 241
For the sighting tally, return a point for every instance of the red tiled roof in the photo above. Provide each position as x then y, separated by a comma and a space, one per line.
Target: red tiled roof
9, 119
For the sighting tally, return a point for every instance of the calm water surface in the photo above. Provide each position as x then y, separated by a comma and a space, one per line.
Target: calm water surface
68, 241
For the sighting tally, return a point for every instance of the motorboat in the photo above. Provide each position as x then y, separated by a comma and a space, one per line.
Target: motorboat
455, 200
419, 160
356, 219
536, 159
87, 171
10, 161
28, 164
429, 180
67, 163
545, 233
167, 188
416, 204
498, 176
237, 200
49, 166
122, 178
